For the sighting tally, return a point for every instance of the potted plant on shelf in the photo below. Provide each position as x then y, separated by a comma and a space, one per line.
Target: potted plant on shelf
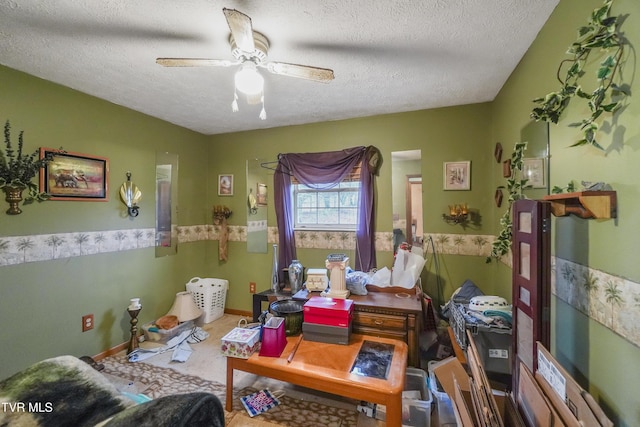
17, 170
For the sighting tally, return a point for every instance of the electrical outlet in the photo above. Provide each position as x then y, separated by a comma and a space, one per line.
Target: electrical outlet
252, 287
87, 322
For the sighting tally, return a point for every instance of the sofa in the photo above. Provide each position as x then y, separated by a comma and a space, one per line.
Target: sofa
65, 391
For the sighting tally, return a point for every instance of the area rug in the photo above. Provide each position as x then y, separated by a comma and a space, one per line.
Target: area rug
156, 382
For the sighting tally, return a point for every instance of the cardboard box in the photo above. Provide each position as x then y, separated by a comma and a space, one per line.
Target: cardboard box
469, 396
326, 333
534, 406
573, 403
328, 311
241, 342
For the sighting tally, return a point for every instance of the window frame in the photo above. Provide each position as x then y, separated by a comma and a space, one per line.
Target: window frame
336, 189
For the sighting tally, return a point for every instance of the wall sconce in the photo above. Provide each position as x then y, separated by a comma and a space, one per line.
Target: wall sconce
130, 195
252, 203
458, 214
220, 214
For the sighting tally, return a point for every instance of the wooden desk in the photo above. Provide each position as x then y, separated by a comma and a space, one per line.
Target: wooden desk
394, 315
267, 296
312, 367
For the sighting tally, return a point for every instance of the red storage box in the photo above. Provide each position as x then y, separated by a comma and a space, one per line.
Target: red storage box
328, 311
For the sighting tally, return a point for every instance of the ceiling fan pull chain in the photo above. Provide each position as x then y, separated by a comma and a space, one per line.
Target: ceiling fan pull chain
234, 104
263, 113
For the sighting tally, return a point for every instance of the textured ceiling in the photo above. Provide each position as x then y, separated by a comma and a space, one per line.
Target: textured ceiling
388, 56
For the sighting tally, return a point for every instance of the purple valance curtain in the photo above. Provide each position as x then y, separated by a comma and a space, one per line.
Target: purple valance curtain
323, 171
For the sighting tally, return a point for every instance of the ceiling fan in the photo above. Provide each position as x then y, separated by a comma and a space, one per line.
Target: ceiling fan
250, 49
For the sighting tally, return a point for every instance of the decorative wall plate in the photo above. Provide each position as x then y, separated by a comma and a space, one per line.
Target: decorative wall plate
497, 152
506, 168
498, 197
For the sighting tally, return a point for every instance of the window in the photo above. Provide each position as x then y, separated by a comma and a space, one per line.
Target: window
332, 209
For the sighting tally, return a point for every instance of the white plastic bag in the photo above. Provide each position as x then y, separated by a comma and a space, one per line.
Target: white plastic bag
406, 269
382, 278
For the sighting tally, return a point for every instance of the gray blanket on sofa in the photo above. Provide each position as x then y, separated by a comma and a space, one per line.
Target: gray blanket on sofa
65, 391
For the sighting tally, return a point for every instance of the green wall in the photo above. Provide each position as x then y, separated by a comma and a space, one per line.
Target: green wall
53, 295
442, 135
42, 303
600, 359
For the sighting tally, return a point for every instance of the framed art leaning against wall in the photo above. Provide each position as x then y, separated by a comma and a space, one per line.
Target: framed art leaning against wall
75, 176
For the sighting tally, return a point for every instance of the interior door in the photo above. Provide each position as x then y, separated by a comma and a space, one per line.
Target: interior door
531, 281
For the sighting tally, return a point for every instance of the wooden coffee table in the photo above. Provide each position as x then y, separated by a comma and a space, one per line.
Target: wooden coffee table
326, 367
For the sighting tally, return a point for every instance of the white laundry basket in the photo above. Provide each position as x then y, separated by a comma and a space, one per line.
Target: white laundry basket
209, 295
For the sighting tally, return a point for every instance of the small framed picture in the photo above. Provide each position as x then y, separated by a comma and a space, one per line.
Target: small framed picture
225, 185
457, 175
533, 171
261, 194
75, 176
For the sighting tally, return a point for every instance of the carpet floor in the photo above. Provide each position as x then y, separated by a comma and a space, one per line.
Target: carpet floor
205, 370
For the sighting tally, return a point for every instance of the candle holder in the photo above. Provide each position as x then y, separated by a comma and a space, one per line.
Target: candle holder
133, 342
458, 214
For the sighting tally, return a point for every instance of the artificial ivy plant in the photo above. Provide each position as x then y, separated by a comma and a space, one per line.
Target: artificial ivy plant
515, 184
601, 35
17, 169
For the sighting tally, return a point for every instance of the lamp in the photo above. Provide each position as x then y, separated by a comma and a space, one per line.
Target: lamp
184, 307
248, 80
458, 214
130, 195
251, 83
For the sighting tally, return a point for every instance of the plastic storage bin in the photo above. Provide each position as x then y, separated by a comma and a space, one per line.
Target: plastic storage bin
444, 413
164, 335
210, 296
493, 343
416, 412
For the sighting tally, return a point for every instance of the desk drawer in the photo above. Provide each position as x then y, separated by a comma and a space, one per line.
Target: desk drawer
384, 333
380, 321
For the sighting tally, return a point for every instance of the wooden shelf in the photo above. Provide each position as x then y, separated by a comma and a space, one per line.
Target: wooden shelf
585, 204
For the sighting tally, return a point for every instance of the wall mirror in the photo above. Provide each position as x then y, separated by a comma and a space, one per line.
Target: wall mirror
257, 202
536, 159
406, 183
166, 203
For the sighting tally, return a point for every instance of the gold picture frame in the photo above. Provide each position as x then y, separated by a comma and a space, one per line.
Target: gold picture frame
225, 185
261, 194
457, 175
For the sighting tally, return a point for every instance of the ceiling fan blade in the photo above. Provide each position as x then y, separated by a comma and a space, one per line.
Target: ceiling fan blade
194, 62
241, 29
323, 75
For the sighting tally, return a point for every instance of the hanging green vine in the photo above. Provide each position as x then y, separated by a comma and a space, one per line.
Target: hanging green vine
602, 35
515, 184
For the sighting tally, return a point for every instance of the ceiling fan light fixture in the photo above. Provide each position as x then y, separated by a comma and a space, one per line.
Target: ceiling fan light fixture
248, 80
